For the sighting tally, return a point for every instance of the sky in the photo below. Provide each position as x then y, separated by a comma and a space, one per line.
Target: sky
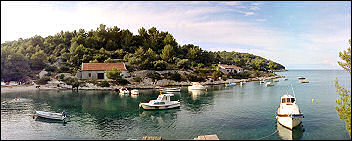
296, 34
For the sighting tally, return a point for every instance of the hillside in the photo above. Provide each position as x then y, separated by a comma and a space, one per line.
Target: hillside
149, 50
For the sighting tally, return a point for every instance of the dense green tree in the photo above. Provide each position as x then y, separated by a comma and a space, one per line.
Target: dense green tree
167, 53
343, 107
114, 74
38, 60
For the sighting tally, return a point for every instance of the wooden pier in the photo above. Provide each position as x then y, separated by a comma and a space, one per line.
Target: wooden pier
207, 137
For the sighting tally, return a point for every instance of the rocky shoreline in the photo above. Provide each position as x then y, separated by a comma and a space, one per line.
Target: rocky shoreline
58, 85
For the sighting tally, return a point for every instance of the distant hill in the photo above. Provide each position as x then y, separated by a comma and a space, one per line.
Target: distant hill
149, 50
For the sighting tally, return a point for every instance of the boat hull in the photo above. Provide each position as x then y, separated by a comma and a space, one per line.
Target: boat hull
171, 90
48, 115
289, 122
145, 106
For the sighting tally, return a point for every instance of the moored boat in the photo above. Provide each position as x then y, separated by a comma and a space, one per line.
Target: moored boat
300, 77
124, 90
303, 81
261, 82
276, 80
134, 92
178, 89
267, 84
50, 115
230, 84
162, 102
288, 113
196, 86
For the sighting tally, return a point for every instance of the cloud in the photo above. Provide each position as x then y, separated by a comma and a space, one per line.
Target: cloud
254, 8
257, 4
260, 20
231, 3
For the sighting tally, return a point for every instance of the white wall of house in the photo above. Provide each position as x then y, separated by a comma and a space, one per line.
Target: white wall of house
94, 74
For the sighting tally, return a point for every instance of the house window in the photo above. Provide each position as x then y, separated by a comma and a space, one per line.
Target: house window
89, 75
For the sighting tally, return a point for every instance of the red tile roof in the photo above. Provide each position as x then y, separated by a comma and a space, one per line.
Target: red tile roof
102, 66
230, 66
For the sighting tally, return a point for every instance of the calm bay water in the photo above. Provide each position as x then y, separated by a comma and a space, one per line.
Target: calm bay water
237, 113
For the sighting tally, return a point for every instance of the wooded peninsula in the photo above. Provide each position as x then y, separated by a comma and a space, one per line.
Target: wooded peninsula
149, 50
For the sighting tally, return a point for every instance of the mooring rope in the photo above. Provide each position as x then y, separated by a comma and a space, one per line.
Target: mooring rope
268, 135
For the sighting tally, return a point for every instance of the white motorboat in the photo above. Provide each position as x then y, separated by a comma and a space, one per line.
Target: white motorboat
288, 113
230, 84
162, 102
170, 89
50, 115
124, 90
196, 86
134, 92
303, 81
267, 84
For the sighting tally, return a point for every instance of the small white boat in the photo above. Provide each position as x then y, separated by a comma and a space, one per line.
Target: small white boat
276, 80
170, 89
303, 81
162, 102
267, 84
230, 84
300, 77
134, 92
288, 113
285, 79
124, 90
196, 86
50, 115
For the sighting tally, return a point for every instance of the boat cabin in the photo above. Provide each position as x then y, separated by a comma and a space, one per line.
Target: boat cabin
288, 99
164, 97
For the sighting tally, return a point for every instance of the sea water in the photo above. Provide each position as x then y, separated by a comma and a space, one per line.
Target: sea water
239, 113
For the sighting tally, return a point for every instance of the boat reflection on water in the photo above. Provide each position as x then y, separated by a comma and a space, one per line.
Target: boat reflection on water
288, 134
159, 116
134, 96
196, 93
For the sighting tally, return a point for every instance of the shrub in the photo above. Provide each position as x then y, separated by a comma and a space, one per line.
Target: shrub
154, 76
44, 80
183, 64
160, 65
64, 69
104, 84
173, 76
50, 68
137, 79
61, 77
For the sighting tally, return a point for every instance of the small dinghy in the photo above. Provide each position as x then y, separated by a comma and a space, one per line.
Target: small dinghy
267, 84
124, 90
50, 115
170, 89
230, 84
134, 92
303, 81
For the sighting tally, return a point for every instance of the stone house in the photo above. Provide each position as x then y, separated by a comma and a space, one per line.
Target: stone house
230, 68
98, 70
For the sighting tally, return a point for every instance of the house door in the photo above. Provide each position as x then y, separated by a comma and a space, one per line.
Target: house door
100, 75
